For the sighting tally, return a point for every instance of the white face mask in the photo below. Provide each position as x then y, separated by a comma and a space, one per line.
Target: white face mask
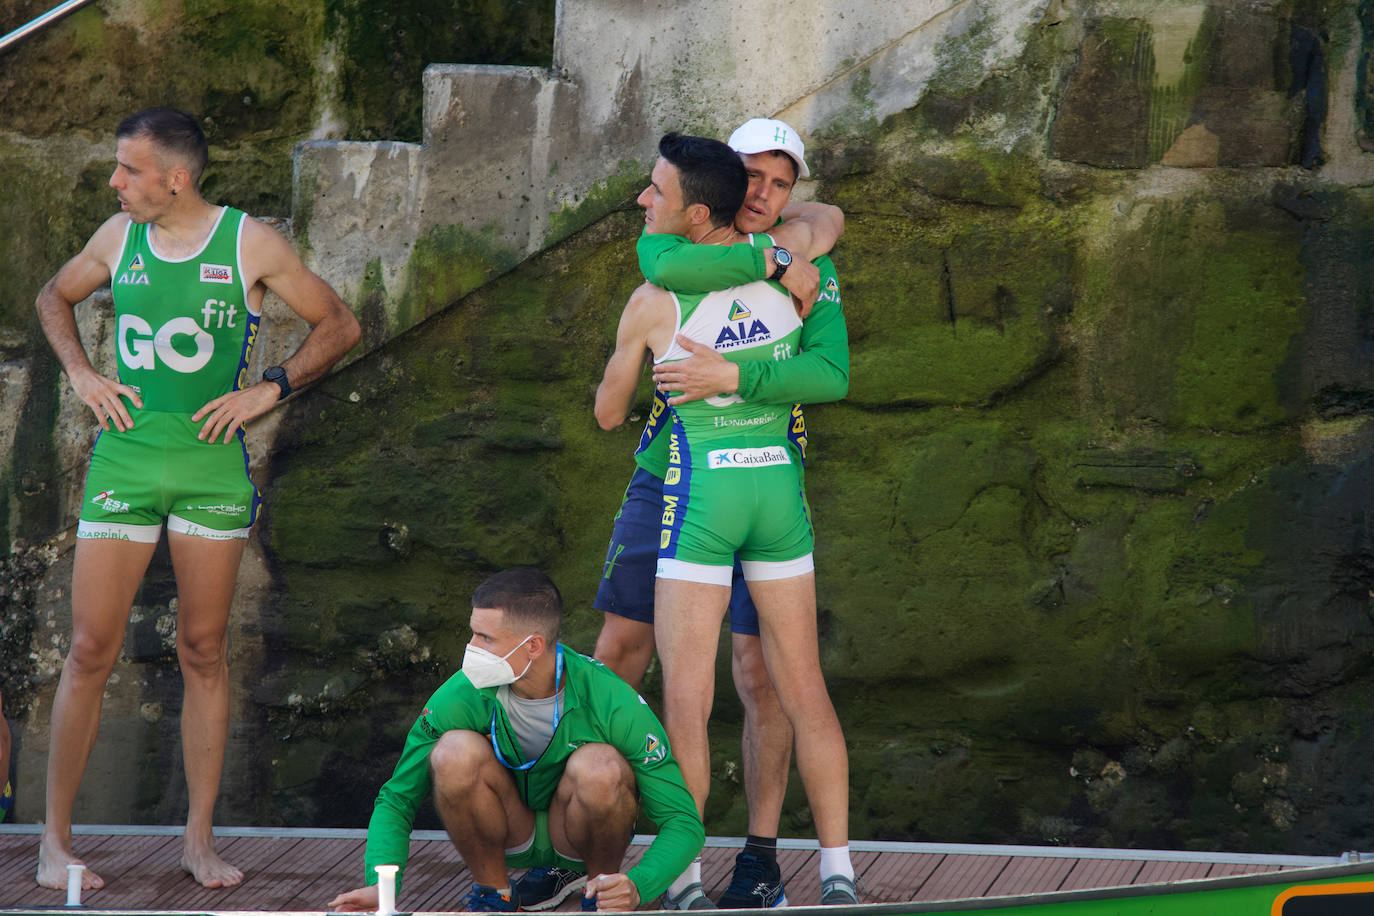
487, 669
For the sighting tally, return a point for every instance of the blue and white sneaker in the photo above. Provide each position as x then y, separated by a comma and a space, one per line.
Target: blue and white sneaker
485, 899
756, 884
543, 888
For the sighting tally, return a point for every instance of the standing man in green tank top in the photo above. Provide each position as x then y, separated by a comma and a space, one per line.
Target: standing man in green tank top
188, 279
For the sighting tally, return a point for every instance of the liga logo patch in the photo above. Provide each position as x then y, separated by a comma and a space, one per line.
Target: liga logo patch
216, 273
747, 457
654, 749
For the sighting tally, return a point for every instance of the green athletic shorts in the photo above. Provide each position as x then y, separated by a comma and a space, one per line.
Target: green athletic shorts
160, 471
729, 499
540, 852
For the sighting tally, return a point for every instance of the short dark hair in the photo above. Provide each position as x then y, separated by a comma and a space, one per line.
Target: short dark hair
710, 173
174, 131
796, 169
528, 598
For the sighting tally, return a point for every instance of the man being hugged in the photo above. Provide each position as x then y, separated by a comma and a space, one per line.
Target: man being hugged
538, 757
774, 159
732, 485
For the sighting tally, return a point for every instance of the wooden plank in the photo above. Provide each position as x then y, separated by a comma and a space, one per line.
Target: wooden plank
256, 856
132, 867
18, 861
333, 865
1158, 872
290, 869
116, 859
303, 872
1222, 869
898, 876
1031, 875
1101, 873
436, 877
960, 877
802, 875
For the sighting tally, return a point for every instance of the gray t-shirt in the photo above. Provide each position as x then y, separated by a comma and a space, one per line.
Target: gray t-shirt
532, 720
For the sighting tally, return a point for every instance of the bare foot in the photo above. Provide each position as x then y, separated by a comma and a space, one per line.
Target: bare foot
205, 865
52, 868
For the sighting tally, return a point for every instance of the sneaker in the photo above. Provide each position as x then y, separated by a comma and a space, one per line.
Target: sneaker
485, 899
691, 898
757, 883
588, 904
543, 888
837, 890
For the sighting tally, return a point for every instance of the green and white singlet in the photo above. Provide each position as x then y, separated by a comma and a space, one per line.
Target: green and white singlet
732, 484
184, 336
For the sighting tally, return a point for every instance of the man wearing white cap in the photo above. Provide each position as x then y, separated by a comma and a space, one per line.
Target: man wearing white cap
774, 159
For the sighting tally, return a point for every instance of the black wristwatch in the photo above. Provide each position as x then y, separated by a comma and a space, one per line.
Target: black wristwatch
784, 259
278, 374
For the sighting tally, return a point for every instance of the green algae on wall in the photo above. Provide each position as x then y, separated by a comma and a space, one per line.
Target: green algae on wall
1093, 560
612, 193
979, 290
245, 68
1189, 311
446, 264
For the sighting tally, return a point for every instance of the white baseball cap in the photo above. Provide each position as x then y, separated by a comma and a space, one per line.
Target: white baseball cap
759, 135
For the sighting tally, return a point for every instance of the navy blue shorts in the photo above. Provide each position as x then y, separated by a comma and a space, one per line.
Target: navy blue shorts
627, 578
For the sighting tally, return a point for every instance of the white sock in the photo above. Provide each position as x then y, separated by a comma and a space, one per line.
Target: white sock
835, 861
685, 880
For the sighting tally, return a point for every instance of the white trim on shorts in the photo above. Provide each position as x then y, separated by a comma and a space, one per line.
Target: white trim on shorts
119, 531
527, 845
766, 570
695, 572
182, 526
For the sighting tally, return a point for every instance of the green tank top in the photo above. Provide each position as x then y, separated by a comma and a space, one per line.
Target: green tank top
744, 323
185, 332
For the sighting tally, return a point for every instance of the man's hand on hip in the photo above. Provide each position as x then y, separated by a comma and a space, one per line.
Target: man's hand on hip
228, 412
704, 374
106, 398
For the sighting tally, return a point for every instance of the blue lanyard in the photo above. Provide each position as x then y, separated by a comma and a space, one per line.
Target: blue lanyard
557, 679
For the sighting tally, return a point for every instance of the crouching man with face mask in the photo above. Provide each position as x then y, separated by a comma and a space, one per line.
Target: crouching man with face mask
538, 757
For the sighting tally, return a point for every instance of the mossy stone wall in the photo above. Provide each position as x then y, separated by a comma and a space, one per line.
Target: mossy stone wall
1094, 562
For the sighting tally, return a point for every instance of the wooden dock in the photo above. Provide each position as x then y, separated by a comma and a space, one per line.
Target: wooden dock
295, 870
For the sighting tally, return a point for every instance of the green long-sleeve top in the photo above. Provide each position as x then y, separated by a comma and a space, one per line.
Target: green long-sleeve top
819, 373
598, 707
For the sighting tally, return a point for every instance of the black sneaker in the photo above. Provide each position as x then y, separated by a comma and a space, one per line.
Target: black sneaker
544, 888
757, 883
